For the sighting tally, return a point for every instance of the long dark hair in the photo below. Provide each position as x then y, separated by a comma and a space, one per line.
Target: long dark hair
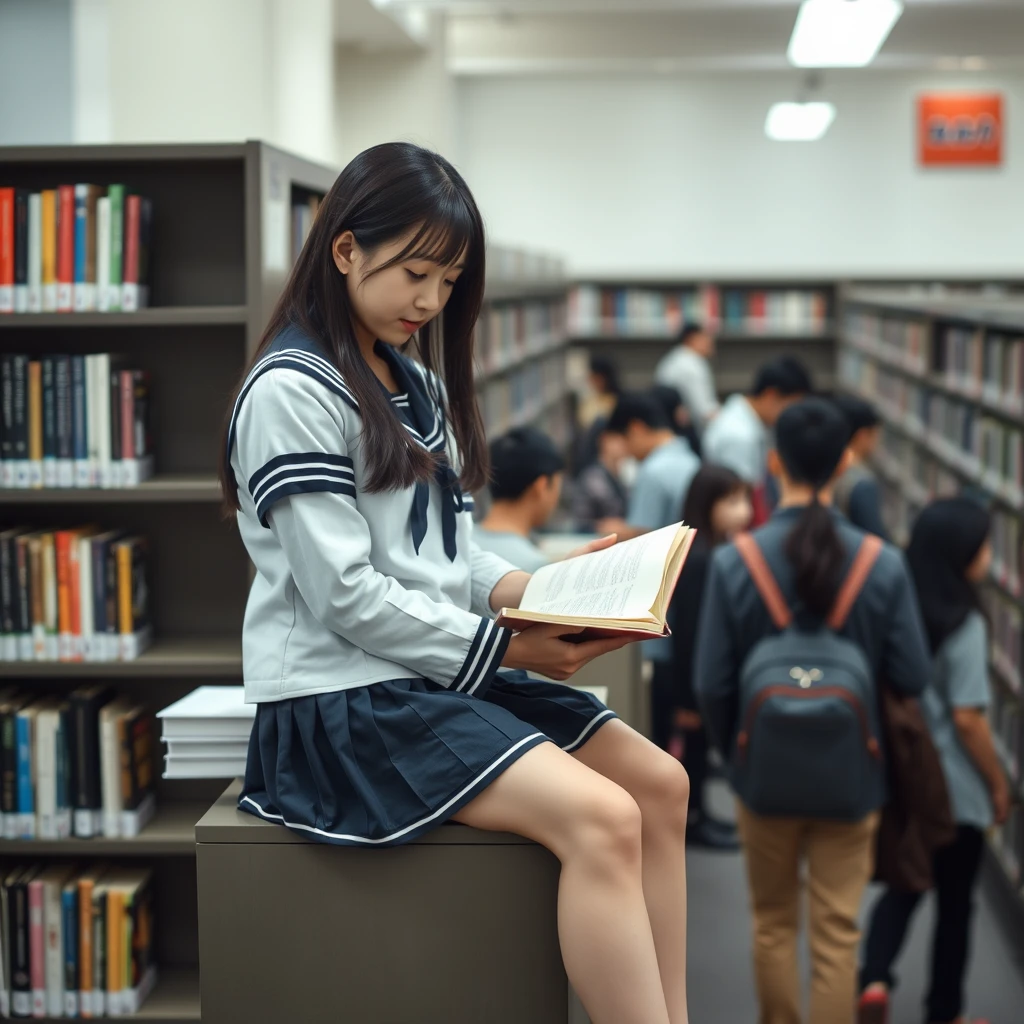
811, 437
710, 485
383, 194
946, 537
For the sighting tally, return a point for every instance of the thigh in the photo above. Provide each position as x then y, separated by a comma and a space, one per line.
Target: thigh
543, 796
840, 862
957, 865
773, 848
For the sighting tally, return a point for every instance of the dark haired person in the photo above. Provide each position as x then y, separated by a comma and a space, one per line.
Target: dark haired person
857, 494
384, 704
678, 415
598, 492
593, 408
809, 549
526, 483
949, 555
718, 507
687, 368
740, 435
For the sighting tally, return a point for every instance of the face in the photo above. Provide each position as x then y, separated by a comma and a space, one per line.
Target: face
613, 450
638, 442
703, 343
775, 404
865, 441
548, 492
978, 569
393, 304
732, 514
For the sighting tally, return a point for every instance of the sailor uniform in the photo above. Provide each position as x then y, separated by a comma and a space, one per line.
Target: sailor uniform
368, 641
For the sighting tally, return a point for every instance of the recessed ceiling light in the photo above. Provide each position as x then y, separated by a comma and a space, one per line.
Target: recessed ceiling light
841, 33
798, 122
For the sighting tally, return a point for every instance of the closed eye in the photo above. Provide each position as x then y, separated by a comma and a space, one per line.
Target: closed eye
415, 277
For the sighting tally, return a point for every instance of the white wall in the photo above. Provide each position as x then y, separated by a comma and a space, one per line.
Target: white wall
673, 176
35, 72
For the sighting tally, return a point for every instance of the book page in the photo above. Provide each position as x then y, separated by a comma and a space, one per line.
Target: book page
620, 582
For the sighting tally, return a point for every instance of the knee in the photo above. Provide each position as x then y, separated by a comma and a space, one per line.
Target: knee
665, 794
606, 832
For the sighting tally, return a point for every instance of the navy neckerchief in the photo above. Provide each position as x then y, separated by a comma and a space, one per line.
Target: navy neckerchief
423, 418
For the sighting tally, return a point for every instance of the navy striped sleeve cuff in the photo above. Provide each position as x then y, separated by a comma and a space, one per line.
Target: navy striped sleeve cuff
484, 658
300, 473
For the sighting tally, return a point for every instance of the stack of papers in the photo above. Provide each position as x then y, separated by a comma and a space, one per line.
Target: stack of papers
207, 733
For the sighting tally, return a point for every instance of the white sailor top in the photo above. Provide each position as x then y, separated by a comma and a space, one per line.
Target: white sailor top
352, 588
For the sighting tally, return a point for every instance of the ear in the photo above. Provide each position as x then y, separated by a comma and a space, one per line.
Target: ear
538, 489
774, 463
345, 251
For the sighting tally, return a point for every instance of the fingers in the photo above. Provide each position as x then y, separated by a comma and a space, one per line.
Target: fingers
591, 649
602, 542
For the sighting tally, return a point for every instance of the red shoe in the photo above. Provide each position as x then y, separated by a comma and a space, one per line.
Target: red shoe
873, 1007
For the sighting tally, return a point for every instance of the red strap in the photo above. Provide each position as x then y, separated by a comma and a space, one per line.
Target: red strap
867, 555
764, 580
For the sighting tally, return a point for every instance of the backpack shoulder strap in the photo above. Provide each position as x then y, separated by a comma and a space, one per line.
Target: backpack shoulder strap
763, 579
867, 554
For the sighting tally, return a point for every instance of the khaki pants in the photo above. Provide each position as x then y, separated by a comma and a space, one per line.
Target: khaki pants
840, 862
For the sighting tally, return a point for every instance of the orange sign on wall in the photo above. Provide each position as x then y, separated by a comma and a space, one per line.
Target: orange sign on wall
960, 129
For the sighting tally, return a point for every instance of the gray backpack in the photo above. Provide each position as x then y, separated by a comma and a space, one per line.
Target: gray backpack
807, 745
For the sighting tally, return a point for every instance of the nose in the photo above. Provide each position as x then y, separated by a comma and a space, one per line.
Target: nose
428, 298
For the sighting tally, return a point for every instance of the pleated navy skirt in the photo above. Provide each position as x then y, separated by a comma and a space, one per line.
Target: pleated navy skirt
381, 764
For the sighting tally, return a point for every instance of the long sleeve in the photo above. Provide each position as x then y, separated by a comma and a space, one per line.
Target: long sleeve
716, 667
865, 508
293, 454
486, 569
906, 663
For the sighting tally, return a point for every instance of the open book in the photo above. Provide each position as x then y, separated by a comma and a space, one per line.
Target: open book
622, 590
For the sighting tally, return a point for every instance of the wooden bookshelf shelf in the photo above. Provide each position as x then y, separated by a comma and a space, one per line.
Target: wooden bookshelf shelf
159, 316
726, 335
514, 290
174, 1000
172, 658
166, 488
170, 833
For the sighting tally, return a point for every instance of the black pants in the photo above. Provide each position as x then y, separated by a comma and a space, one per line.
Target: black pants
956, 874
664, 703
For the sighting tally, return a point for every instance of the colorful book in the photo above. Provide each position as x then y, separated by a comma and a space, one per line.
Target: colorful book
6, 250
86, 198
103, 254
35, 424
135, 287
70, 932
35, 253
48, 248
133, 597
116, 262
65, 248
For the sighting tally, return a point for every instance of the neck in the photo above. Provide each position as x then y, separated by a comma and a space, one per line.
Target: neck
509, 517
755, 403
367, 343
660, 438
797, 495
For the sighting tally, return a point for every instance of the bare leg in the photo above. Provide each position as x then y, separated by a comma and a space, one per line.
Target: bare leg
659, 785
593, 827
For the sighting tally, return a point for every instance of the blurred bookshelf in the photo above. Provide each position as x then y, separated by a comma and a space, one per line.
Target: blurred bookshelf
946, 373
636, 323
227, 221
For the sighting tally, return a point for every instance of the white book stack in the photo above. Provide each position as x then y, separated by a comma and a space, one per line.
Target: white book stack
207, 733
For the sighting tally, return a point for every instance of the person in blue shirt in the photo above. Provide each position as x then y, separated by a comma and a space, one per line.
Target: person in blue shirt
857, 494
950, 553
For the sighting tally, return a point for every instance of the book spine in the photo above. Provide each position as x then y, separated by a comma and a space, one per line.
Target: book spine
79, 292
46, 777
128, 464
66, 776
88, 797
103, 473
116, 194
8, 636
21, 250
35, 253
85, 602
85, 951
110, 774
53, 926
20, 453
37, 947
63, 540
130, 287
50, 611
75, 593
21, 959
37, 596
7, 419
23, 577
65, 421
48, 246
99, 953
26, 792
93, 398
49, 389
112, 616
79, 414
115, 936
9, 767
6, 250
65, 248
69, 920
103, 254
116, 476
5, 953
145, 249
35, 424
99, 599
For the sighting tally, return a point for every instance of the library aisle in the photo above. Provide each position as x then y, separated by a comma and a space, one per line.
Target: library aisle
721, 978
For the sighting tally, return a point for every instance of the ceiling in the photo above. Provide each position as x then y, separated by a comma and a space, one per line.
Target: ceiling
545, 36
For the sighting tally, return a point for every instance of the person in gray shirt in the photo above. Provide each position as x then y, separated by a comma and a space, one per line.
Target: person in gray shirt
949, 554
526, 484
857, 494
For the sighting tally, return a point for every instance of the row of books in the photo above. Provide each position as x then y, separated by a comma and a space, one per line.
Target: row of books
662, 311
983, 364
508, 332
74, 248
303, 214
74, 421
76, 943
207, 733
520, 396
1008, 732
1005, 627
79, 594
80, 765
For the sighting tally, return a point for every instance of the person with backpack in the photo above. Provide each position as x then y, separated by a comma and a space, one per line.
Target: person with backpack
949, 554
799, 620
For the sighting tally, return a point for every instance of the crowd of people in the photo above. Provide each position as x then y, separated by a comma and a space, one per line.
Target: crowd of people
786, 570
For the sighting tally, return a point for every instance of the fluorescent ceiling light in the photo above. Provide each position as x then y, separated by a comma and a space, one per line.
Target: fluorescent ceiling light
841, 33
798, 122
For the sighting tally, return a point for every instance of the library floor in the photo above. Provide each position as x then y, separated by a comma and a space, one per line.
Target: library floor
721, 977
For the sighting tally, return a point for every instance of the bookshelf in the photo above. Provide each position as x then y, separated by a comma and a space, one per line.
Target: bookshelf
636, 322
222, 245
947, 376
